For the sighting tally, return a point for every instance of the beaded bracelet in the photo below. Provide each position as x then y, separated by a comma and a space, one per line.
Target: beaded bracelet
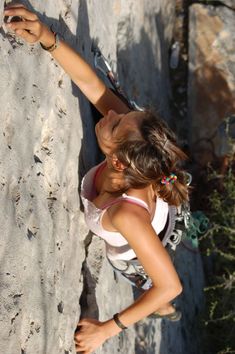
118, 322
53, 46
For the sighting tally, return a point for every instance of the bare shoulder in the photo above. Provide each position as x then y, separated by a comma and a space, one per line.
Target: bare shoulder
126, 213
134, 223
131, 220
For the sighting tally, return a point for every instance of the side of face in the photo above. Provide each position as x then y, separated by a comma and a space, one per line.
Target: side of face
115, 127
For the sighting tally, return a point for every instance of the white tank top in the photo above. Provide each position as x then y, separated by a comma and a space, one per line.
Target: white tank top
117, 246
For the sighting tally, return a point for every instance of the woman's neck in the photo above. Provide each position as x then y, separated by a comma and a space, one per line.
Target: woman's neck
110, 180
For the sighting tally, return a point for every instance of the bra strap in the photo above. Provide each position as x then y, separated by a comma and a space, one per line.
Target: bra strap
98, 171
128, 199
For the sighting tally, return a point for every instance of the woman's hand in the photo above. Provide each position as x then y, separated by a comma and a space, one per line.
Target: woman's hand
30, 28
90, 335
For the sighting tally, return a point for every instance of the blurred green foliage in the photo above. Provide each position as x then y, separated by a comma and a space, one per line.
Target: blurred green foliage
218, 246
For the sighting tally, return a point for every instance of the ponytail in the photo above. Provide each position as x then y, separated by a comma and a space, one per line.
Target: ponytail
176, 191
151, 158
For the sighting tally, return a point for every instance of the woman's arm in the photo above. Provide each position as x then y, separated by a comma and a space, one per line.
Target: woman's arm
152, 255
157, 264
81, 73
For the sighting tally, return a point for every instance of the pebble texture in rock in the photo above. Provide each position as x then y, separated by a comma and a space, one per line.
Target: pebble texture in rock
211, 95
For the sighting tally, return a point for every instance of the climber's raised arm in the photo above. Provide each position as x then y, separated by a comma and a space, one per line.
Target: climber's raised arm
33, 30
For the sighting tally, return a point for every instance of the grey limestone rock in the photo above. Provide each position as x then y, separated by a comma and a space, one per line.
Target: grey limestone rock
228, 3
51, 270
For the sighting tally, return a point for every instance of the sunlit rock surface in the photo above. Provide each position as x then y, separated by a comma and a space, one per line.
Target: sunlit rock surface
211, 78
51, 271
229, 3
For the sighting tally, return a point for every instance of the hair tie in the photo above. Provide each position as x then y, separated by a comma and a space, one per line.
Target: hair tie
170, 179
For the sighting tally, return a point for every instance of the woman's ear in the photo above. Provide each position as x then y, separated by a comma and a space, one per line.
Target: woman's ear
117, 165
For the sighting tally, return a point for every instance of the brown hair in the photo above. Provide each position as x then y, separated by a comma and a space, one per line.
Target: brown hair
152, 156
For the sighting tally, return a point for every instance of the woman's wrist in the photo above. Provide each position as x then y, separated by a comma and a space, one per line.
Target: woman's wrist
110, 328
118, 322
47, 38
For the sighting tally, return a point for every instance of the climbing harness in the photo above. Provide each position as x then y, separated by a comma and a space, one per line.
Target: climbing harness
181, 217
198, 224
132, 271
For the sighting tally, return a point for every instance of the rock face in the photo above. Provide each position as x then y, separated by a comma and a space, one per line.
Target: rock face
228, 3
211, 78
47, 143
164, 337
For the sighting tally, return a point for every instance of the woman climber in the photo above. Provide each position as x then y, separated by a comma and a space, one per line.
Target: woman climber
130, 197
